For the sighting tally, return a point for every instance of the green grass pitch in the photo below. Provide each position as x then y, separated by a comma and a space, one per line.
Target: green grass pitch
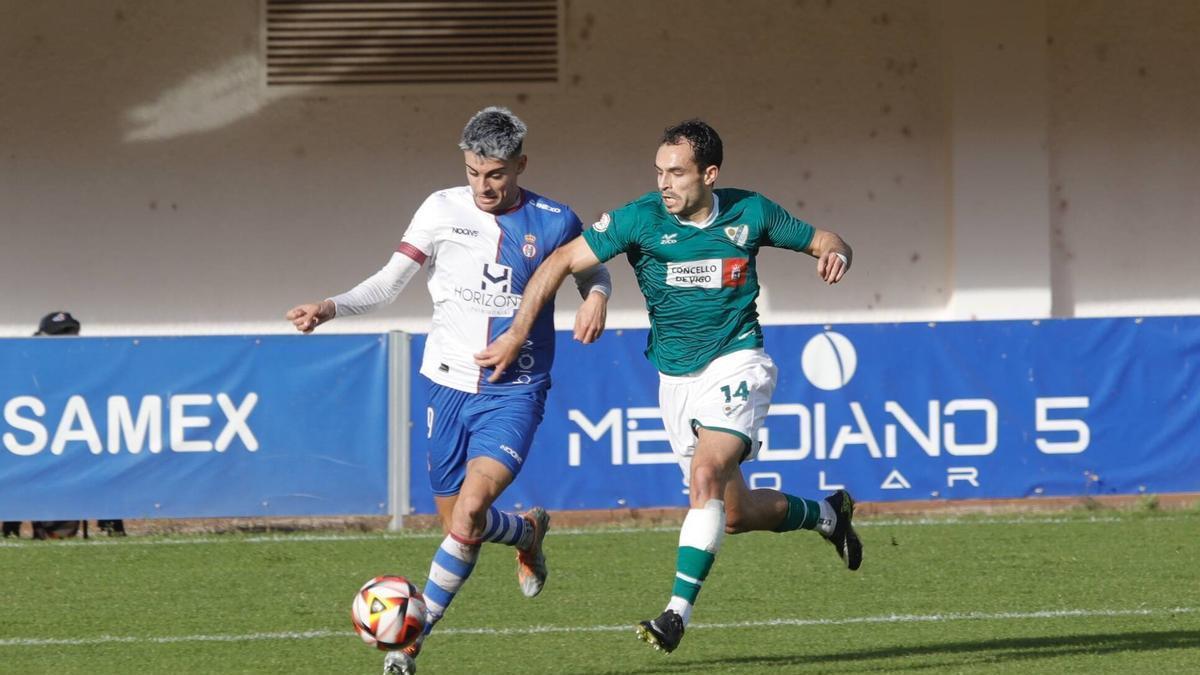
1073, 592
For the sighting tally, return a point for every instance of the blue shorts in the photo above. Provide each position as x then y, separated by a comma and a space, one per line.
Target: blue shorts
462, 426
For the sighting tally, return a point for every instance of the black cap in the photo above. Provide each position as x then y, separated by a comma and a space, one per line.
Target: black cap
58, 323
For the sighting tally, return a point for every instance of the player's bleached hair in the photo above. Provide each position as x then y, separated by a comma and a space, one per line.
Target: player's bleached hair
494, 133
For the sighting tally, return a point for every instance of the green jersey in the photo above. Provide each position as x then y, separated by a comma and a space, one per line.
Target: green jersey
700, 283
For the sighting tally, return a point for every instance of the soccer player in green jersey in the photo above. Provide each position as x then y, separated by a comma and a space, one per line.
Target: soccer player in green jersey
692, 247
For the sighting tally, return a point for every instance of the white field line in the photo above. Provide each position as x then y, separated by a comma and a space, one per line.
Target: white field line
539, 630
570, 532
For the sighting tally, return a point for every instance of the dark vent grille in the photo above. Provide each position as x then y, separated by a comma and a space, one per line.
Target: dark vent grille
378, 42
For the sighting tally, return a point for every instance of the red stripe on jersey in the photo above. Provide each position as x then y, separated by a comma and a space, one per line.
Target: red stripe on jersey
411, 251
487, 340
733, 271
488, 334
499, 237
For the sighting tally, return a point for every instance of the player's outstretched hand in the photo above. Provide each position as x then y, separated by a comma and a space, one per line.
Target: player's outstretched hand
499, 354
589, 320
832, 266
307, 317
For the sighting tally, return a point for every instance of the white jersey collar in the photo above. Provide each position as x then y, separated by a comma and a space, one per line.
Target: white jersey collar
712, 215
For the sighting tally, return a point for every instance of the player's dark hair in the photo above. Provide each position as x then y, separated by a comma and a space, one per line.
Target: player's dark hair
706, 144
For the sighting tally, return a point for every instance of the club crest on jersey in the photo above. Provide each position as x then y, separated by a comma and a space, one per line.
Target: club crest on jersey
530, 247
602, 224
735, 271
737, 234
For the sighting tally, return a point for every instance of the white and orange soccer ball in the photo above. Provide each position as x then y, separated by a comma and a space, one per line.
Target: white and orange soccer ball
388, 612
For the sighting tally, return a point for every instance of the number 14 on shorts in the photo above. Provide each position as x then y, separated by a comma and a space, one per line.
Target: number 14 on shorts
742, 392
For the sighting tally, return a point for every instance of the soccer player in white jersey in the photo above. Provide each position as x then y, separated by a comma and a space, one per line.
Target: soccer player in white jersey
482, 243
692, 247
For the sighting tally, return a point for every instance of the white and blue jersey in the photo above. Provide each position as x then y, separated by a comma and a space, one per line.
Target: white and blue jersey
479, 264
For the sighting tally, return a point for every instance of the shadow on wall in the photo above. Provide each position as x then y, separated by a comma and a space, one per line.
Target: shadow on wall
202, 102
323, 44
226, 88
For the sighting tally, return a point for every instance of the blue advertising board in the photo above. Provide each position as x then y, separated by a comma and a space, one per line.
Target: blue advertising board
274, 425
958, 410
193, 426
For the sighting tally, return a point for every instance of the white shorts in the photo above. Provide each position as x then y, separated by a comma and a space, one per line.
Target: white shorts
731, 394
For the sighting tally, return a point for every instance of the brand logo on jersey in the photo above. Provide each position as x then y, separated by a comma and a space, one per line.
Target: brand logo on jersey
496, 277
695, 274
668, 239
465, 232
530, 247
512, 453
523, 368
737, 234
712, 273
493, 297
546, 207
602, 224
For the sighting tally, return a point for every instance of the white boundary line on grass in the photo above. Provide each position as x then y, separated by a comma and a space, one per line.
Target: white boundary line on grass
536, 630
398, 536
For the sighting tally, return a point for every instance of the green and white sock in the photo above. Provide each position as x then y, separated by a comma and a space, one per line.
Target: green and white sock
807, 514
699, 540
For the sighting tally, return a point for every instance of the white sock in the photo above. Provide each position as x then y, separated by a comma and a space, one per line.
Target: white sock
827, 520
681, 607
701, 535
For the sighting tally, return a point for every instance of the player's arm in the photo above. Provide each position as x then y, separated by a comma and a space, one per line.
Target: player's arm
374, 292
595, 286
833, 255
783, 230
575, 256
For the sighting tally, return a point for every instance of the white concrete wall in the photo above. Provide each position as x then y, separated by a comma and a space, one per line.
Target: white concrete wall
150, 185
1125, 156
995, 86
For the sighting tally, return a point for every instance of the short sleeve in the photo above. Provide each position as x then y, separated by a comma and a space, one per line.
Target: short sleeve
422, 230
614, 233
574, 226
783, 229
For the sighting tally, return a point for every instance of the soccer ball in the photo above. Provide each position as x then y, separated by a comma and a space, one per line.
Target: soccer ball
388, 612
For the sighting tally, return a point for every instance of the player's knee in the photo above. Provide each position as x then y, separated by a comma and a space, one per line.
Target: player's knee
706, 483
735, 521
470, 515
705, 475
